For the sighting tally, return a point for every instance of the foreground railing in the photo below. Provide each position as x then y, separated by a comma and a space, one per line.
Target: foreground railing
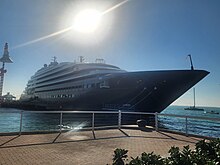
48, 121
191, 125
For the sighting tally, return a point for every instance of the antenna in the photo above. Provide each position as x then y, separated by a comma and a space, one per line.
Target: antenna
54, 58
190, 58
81, 59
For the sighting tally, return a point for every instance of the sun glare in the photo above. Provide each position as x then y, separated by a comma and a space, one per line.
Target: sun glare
87, 21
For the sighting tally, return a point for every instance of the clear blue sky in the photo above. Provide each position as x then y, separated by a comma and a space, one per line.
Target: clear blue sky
139, 35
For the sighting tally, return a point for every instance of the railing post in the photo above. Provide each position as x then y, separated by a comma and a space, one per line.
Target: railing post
119, 119
61, 121
186, 122
93, 122
21, 116
156, 121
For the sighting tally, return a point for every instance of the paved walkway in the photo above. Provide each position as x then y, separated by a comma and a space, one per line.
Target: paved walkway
85, 148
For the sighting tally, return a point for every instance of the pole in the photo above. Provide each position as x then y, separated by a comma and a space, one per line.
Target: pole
190, 58
4, 59
61, 121
119, 119
194, 97
93, 122
186, 122
21, 116
3, 71
156, 121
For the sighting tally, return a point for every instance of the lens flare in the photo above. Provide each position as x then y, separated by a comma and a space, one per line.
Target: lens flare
87, 21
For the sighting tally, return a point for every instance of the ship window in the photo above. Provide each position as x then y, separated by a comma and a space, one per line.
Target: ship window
98, 85
64, 95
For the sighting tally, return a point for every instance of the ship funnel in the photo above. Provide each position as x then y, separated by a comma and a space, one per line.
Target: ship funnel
6, 58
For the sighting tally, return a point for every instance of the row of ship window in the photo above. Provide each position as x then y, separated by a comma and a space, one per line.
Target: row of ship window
51, 94
98, 85
66, 90
63, 96
58, 96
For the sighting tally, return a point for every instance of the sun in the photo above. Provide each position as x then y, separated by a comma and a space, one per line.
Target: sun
87, 21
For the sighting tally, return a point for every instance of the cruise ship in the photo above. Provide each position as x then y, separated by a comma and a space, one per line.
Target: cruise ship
100, 86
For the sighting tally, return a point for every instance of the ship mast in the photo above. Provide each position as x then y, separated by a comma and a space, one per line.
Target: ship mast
194, 97
4, 59
190, 58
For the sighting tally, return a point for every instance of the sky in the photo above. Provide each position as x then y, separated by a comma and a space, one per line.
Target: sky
138, 35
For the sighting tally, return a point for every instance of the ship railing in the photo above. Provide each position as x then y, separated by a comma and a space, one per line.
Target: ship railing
59, 121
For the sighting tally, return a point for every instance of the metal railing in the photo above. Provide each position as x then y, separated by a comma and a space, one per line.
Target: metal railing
193, 125
120, 119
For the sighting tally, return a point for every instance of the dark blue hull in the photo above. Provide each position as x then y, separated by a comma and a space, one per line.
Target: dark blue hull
147, 91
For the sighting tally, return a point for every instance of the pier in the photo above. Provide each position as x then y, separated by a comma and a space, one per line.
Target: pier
86, 147
93, 143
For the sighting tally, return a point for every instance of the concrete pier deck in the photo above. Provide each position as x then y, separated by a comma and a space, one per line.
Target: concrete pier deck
86, 147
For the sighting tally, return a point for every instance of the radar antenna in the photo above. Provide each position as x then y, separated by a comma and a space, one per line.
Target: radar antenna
81, 59
54, 58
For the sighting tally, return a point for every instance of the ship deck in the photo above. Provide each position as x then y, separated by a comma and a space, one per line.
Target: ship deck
86, 147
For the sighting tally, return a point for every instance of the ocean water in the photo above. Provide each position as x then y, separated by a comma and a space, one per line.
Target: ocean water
204, 127
31, 122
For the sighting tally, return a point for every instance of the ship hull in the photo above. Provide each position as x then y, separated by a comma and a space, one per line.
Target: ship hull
147, 91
